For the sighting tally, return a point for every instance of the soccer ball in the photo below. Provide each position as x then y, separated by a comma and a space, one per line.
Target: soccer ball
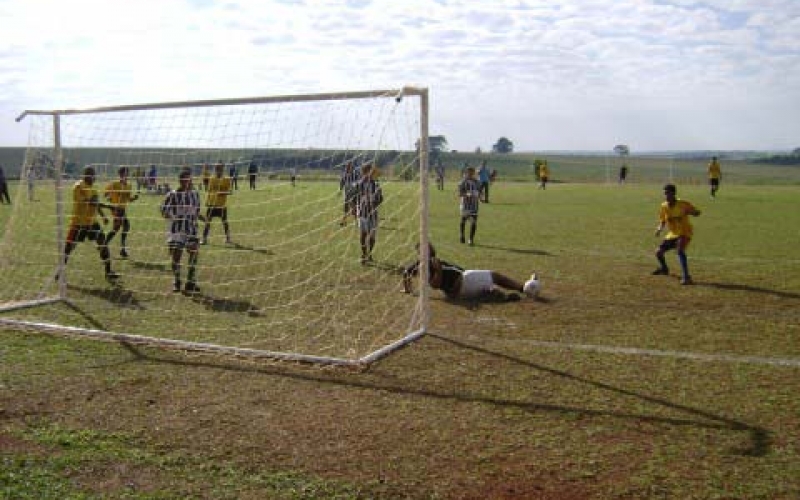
532, 286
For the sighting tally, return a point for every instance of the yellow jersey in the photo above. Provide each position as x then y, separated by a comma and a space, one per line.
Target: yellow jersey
714, 170
677, 218
84, 204
218, 190
544, 171
119, 193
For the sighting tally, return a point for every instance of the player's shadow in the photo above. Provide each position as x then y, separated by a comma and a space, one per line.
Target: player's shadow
749, 288
115, 294
225, 305
760, 439
149, 266
527, 251
239, 246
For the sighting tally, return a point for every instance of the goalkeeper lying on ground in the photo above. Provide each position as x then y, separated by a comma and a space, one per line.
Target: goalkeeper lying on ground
459, 283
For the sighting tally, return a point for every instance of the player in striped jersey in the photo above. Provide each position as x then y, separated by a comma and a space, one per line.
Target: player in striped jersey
469, 193
85, 208
459, 283
369, 198
118, 194
182, 208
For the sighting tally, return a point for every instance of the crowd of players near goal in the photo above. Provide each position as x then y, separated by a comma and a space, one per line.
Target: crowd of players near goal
362, 197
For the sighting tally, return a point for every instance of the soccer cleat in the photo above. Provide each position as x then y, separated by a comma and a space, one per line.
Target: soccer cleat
471, 243
462, 240
687, 281
191, 287
176, 287
661, 271
228, 241
112, 276
204, 242
123, 253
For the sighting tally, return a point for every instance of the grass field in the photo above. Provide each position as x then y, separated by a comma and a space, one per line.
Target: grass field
614, 384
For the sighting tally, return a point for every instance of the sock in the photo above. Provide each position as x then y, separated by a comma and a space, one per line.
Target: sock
684, 264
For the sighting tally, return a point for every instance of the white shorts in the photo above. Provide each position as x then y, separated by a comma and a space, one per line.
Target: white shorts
475, 284
182, 240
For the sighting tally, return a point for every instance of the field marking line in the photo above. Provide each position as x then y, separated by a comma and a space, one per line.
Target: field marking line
636, 351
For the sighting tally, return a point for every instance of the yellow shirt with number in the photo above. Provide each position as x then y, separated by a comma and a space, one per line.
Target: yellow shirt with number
677, 218
218, 190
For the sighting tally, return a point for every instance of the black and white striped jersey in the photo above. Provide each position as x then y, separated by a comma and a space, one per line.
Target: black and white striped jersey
370, 196
469, 192
182, 209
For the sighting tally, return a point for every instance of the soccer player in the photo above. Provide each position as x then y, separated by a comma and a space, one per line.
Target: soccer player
234, 175
439, 174
252, 174
219, 187
119, 194
369, 198
714, 176
674, 214
293, 175
4, 197
544, 175
85, 208
623, 173
459, 283
349, 184
483, 178
469, 195
182, 208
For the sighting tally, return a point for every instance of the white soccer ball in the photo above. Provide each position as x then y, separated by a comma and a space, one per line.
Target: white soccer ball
532, 287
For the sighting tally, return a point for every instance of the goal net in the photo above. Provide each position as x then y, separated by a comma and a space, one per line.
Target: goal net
286, 279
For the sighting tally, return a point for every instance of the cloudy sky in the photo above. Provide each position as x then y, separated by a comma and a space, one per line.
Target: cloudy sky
548, 75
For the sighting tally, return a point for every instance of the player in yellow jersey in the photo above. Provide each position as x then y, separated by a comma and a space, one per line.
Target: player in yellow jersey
674, 214
714, 175
85, 208
219, 187
119, 194
544, 175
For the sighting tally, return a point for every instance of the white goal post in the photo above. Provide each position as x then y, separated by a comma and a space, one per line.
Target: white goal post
281, 271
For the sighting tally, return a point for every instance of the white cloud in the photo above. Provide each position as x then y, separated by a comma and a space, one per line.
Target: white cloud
558, 75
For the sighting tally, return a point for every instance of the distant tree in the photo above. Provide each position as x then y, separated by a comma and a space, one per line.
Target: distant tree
796, 152
437, 143
622, 150
503, 145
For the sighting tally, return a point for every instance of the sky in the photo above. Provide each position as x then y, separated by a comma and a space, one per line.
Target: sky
656, 75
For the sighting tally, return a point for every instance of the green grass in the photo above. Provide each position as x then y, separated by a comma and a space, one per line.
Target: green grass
501, 400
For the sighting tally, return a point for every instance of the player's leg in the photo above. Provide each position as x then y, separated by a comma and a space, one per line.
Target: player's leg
126, 228
96, 234
176, 252
225, 226
661, 250
207, 226
682, 243
462, 228
191, 274
506, 282
473, 228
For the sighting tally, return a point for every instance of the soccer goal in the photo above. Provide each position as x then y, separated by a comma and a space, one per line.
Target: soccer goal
286, 282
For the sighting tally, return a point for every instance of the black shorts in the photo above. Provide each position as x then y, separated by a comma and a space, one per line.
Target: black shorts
78, 234
221, 212
714, 182
673, 243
